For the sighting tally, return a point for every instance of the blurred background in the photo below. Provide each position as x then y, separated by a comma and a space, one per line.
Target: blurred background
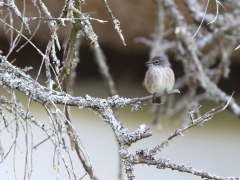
213, 147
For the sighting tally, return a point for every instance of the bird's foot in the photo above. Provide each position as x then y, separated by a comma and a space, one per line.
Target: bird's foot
165, 92
156, 100
154, 96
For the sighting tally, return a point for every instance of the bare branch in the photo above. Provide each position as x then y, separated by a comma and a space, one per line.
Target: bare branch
116, 22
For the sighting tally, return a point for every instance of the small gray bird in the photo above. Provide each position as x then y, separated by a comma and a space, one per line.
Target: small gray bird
159, 77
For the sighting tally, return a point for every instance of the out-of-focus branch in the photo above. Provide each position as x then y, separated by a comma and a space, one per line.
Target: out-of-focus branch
183, 36
156, 46
201, 69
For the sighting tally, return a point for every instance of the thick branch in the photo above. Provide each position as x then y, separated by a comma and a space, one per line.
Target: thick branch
14, 78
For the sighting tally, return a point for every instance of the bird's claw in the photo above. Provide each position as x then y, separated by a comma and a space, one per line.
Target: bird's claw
165, 92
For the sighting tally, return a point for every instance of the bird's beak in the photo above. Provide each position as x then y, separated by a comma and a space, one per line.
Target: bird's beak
148, 62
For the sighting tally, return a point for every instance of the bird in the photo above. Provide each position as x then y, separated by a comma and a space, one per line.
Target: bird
159, 77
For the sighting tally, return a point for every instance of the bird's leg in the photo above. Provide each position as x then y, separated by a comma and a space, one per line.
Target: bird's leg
156, 100
154, 96
165, 92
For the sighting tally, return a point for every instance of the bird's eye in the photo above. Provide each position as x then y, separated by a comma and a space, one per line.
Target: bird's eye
155, 62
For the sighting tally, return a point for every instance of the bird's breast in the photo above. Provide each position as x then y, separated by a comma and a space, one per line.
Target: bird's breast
158, 79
